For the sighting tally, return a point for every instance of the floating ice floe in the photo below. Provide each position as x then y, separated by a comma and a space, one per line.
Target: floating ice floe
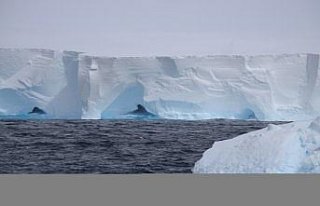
288, 148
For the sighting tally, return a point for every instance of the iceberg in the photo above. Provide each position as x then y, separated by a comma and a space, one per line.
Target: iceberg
69, 84
288, 148
141, 113
37, 110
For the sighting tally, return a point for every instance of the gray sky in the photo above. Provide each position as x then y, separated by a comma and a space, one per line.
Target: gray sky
162, 27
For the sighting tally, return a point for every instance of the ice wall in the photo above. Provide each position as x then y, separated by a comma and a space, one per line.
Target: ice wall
75, 85
37, 77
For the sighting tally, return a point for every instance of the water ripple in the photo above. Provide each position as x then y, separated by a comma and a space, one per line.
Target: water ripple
100, 146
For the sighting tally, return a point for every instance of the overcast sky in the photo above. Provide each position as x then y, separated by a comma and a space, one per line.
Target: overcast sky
162, 27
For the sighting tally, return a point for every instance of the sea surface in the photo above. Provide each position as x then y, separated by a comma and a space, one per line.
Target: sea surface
109, 146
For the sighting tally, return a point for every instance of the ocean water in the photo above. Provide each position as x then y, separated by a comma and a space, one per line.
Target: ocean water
108, 146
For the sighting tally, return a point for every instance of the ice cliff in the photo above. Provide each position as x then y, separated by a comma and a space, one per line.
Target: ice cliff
70, 84
289, 148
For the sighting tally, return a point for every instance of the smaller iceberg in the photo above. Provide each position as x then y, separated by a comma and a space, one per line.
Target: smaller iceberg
141, 113
287, 148
36, 113
37, 110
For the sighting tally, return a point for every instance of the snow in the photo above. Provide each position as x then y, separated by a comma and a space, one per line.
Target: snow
288, 148
76, 85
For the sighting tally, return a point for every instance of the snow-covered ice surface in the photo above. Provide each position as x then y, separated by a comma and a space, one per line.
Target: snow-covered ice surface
76, 85
289, 148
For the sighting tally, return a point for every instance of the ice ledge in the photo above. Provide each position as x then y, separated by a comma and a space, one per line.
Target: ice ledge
88, 54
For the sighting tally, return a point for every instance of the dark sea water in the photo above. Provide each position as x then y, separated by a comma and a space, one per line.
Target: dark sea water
104, 146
